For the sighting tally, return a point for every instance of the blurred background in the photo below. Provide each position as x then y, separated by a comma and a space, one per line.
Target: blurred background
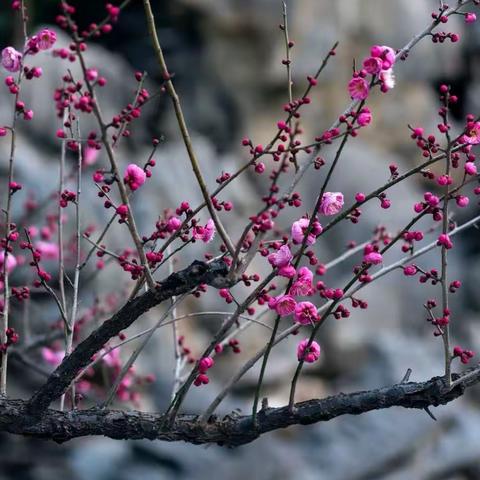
226, 56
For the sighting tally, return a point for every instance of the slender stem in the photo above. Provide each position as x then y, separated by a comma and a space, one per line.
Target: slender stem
114, 166
76, 281
136, 353
183, 127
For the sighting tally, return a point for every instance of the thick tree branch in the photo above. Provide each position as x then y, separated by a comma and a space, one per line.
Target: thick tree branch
178, 283
232, 430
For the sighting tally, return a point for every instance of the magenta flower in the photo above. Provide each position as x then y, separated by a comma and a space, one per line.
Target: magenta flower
444, 241
288, 271
283, 304
372, 65
48, 250
358, 88
385, 54
11, 261
303, 286
281, 258
332, 203
307, 353
206, 233
305, 313
52, 357
472, 134
173, 224
470, 18
45, 39
11, 59
364, 117
374, 258
470, 168
134, 176
300, 227
205, 363
90, 155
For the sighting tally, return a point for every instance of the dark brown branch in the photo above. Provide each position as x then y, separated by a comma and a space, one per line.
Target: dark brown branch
178, 283
232, 430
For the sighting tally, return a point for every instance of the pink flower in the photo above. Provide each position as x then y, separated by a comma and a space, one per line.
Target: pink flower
470, 17
11, 261
134, 176
299, 229
472, 134
470, 168
305, 313
332, 203
304, 283
11, 59
173, 224
288, 271
307, 353
45, 39
388, 80
90, 156
410, 270
462, 201
206, 233
372, 65
358, 88
49, 250
444, 241
281, 258
364, 117
52, 357
385, 54
374, 258
205, 363
283, 304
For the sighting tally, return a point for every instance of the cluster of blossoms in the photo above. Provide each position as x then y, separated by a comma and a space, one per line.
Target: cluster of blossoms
204, 364
12, 59
301, 281
379, 65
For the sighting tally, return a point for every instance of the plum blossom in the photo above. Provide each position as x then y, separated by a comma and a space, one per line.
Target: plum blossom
46, 39
288, 271
358, 88
283, 304
307, 353
305, 313
11, 261
385, 54
332, 203
281, 258
206, 233
173, 224
372, 65
52, 357
299, 229
48, 250
374, 258
303, 286
11, 59
134, 176
472, 134
90, 156
364, 117
470, 17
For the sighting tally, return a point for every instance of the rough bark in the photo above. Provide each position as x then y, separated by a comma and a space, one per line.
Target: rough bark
233, 430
